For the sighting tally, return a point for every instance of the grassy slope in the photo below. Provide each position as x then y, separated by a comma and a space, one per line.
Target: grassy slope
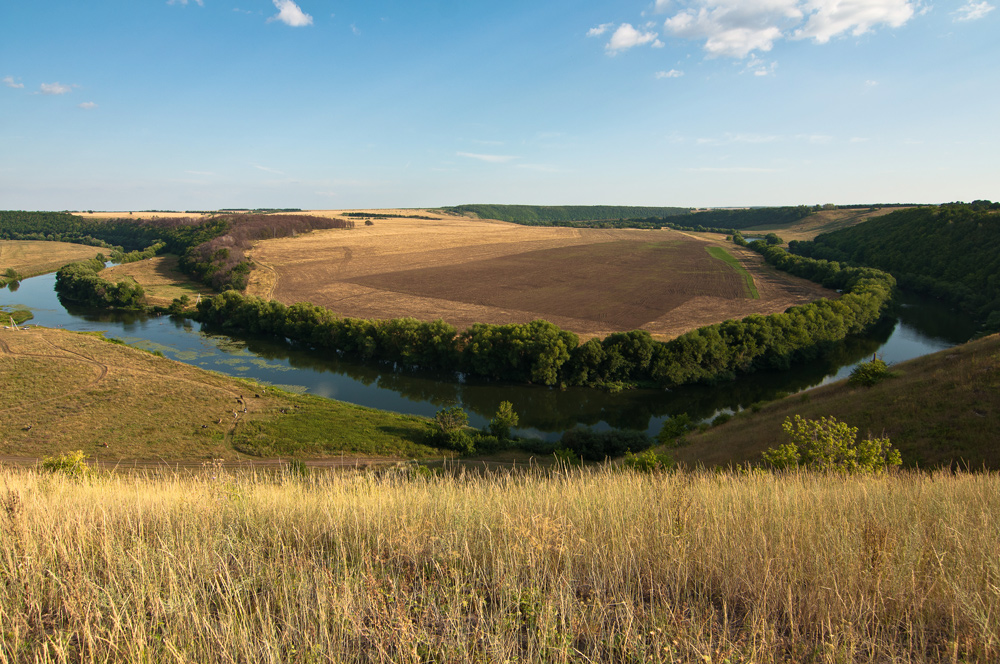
582, 566
823, 221
64, 391
160, 278
938, 409
33, 257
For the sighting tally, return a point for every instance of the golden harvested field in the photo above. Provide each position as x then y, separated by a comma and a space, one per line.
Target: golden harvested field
590, 281
160, 278
823, 221
33, 257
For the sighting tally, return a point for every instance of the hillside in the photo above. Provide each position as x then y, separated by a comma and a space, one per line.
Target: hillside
940, 409
65, 391
951, 252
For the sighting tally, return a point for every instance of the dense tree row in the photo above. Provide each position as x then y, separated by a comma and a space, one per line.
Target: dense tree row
539, 352
81, 283
951, 252
611, 216
544, 215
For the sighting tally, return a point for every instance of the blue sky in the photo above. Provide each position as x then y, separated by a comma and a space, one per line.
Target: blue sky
197, 104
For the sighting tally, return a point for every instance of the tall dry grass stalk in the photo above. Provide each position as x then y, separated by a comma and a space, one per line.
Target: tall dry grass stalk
581, 566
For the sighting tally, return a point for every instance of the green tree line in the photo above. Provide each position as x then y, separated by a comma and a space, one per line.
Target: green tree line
950, 252
81, 282
541, 353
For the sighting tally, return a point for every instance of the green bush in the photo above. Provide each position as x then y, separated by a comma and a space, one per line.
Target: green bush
648, 461
566, 457
674, 429
827, 444
599, 445
869, 373
73, 464
504, 420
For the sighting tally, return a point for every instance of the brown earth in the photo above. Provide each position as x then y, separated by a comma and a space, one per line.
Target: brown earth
590, 281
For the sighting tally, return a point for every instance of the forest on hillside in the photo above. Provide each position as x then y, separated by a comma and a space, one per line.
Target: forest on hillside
950, 252
611, 216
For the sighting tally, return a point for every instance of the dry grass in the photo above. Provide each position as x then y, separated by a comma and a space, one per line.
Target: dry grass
160, 278
64, 391
939, 409
590, 281
823, 221
34, 257
598, 566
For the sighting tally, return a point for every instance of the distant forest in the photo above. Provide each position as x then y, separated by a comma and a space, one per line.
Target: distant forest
612, 216
950, 252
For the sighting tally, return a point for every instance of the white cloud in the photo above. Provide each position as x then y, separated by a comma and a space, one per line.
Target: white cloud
266, 169
738, 28
972, 11
491, 158
87, 105
55, 88
730, 138
673, 73
626, 37
661, 6
201, 3
830, 18
289, 13
871, 84
10, 83
599, 30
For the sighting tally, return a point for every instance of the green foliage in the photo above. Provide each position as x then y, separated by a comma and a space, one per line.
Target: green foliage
593, 445
566, 457
504, 420
648, 462
18, 314
950, 252
721, 418
829, 445
772, 239
81, 282
543, 215
674, 429
869, 373
73, 464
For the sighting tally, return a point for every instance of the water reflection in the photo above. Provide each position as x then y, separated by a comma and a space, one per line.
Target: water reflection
919, 327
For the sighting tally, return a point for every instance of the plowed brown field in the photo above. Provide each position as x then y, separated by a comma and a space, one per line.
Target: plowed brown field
590, 281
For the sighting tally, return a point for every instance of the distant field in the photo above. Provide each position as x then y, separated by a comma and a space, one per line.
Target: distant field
590, 281
160, 278
823, 221
33, 257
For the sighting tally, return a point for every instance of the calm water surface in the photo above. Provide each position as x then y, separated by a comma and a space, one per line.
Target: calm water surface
919, 327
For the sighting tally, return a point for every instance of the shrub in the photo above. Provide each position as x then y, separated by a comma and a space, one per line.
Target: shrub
566, 457
827, 444
73, 464
599, 445
721, 418
674, 428
869, 373
648, 461
504, 420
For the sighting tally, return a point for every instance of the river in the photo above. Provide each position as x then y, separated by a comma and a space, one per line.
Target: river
918, 327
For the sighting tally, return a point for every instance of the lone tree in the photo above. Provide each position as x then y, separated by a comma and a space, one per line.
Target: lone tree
826, 444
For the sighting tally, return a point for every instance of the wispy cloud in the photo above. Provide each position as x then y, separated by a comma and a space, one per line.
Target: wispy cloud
731, 169
289, 13
599, 30
11, 83
673, 73
626, 37
267, 170
491, 158
972, 11
55, 88
200, 3
87, 105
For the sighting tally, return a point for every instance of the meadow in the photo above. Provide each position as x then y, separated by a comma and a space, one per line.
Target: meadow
600, 565
589, 281
34, 257
160, 278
